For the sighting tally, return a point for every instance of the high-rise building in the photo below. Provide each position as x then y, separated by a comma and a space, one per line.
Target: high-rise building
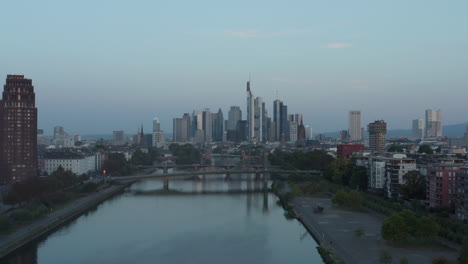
265, 129
284, 123
308, 131
235, 114
180, 130
18, 131
156, 124
418, 128
433, 123
118, 138
159, 140
277, 106
258, 119
355, 125
218, 126
292, 131
298, 119
59, 132
250, 113
377, 132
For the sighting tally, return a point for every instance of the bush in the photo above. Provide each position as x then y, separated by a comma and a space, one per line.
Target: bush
352, 199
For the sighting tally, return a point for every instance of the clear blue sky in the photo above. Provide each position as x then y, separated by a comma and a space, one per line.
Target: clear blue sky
99, 66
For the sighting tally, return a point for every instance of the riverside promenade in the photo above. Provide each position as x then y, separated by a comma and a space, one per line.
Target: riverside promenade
48, 223
335, 228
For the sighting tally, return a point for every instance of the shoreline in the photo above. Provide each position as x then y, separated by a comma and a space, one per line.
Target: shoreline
49, 223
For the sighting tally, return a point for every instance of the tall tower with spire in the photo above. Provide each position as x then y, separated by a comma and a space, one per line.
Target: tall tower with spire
250, 113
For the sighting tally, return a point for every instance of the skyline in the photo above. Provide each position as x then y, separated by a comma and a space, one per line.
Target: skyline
324, 61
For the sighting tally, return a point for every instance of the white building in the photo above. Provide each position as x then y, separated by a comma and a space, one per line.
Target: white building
159, 140
75, 161
355, 125
433, 123
309, 134
292, 131
418, 128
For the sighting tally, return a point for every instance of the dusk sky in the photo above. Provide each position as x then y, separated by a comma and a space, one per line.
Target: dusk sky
99, 66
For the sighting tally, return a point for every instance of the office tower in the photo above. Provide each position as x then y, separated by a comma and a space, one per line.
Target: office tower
308, 131
277, 106
270, 130
265, 127
433, 123
355, 125
284, 123
59, 132
235, 114
118, 138
207, 125
188, 123
250, 114
377, 133
258, 119
156, 124
18, 131
218, 126
292, 131
418, 128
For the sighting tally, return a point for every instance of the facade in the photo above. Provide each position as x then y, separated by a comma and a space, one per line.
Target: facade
355, 125
118, 138
396, 167
377, 173
156, 124
433, 123
346, 150
284, 133
258, 120
461, 208
277, 108
441, 182
78, 162
181, 129
418, 128
301, 132
292, 131
218, 126
159, 140
235, 114
59, 132
308, 131
377, 132
250, 114
18, 131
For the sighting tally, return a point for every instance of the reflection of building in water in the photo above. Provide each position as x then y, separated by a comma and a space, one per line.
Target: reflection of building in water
265, 201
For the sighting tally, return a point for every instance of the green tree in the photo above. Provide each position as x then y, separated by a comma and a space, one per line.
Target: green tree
337, 170
427, 228
443, 260
463, 258
404, 260
395, 148
186, 154
414, 186
425, 149
359, 178
394, 229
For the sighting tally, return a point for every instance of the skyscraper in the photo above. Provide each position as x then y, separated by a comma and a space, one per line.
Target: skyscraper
355, 125
433, 123
377, 132
250, 113
118, 138
258, 119
18, 130
277, 105
418, 128
218, 126
156, 124
284, 123
235, 114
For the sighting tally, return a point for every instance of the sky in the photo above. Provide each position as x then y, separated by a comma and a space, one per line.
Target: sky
99, 66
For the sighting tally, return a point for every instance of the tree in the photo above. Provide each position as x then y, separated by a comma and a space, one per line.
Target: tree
385, 257
463, 258
395, 148
359, 178
425, 149
443, 260
414, 186
186, 154
394, 229
337, 170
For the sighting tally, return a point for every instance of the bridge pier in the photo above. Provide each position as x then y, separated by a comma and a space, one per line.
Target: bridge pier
166, 185
228, 177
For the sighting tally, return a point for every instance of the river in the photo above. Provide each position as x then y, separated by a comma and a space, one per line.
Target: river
148, 225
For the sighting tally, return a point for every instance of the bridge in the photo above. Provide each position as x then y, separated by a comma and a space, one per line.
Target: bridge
183, 175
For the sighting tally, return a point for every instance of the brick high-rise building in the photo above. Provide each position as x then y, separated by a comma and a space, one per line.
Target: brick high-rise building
377, 133
18, 130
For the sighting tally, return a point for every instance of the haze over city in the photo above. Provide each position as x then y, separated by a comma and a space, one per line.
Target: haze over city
109, 65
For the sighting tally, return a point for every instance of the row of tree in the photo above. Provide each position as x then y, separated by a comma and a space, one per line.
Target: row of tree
186, 154
345, 172
310, 160
403, 226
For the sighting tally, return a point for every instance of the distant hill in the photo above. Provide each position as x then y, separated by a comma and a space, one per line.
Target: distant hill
456, 130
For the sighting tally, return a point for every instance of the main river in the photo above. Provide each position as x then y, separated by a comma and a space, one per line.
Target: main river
148, 225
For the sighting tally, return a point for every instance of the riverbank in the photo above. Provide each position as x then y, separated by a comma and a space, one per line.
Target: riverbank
50, 222
336, 229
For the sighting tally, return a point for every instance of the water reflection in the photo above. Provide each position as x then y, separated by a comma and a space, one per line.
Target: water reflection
190, 222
